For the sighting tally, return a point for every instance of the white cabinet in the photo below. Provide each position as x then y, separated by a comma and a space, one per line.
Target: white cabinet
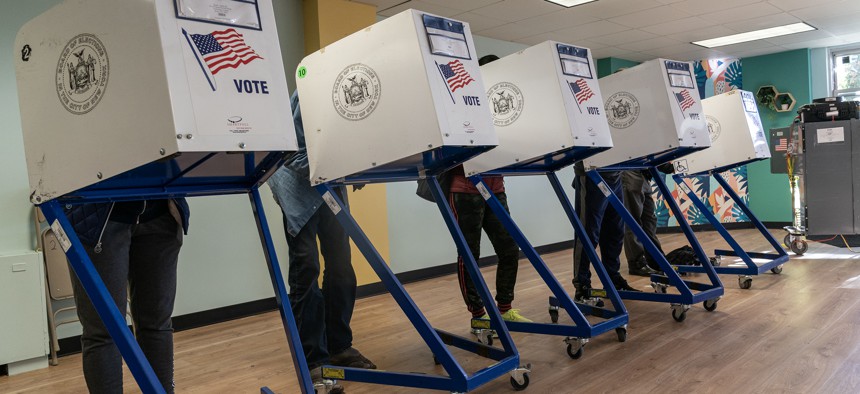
23, 313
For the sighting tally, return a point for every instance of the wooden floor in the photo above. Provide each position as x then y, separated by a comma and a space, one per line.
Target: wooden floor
798, 332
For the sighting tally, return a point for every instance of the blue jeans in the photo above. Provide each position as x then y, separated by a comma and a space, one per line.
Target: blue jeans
141, 258
322, 314
603, 225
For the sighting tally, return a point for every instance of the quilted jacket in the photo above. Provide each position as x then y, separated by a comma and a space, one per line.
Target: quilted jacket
88, 220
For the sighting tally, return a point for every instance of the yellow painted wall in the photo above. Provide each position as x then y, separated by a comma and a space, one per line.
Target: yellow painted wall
327, 21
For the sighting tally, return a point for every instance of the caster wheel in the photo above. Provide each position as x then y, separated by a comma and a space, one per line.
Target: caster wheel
622, 334
574, 355
520, 387
776, 270
553, 316
787, 240
679, 316
599, 303
710, 305
489, 340
799, 247
745, 283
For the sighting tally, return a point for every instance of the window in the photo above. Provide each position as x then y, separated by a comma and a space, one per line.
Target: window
846, 74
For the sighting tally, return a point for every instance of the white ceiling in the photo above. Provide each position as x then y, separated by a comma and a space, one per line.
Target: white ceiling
645, 29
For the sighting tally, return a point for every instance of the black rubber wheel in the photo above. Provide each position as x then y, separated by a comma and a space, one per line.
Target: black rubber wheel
776, 270
799, 247
710, 305
553, 316
574, 355
599, 303
489, 340
787, 240
745, 283
679, 317
520, 387
622, 334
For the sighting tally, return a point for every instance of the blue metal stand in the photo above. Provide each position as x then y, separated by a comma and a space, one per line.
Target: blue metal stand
708, 293
165, 180
579, 333
458, 380
774, 260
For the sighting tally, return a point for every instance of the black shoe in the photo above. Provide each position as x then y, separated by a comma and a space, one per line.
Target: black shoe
320, 383
642, 271
352, 358
622, 285
583, 292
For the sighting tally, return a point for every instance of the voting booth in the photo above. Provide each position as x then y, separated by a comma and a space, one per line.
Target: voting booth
654, 112
152, 100
546, 107
404, 96
547, 110
736, 135
105, 89
403, 100
655, 115
737, 138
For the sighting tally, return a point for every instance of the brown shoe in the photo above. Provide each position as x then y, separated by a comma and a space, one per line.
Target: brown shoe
351, 358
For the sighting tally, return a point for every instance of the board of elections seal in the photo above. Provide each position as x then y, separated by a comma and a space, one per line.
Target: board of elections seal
713, 127
622, 110
356, 92
507, 102
82, 74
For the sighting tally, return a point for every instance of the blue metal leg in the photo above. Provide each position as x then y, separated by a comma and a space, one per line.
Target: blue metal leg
587, 246
457, 379
649, 246
682, 184
758, 224
688, 230
95, 288
582, 326
299, 362
471, 265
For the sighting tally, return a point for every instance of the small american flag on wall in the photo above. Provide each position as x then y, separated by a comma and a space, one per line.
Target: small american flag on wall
224, 49
455, 75
781, 145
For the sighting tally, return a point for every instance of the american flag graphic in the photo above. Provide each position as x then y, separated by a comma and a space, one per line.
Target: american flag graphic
781, 146
685, 100
455, 75
581, 91
224, 49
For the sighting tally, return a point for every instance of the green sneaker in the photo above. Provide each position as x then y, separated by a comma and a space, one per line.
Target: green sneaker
514, 316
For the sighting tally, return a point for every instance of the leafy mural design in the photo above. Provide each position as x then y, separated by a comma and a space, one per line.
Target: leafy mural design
701, 77
734, 75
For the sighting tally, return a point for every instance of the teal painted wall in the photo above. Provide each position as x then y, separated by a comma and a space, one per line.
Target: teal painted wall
609, 65
789, 71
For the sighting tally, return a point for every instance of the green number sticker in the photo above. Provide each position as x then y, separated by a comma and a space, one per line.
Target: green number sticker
302, 72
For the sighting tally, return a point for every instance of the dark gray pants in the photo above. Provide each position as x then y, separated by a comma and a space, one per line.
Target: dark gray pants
639, 201
140, 257
323, 315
